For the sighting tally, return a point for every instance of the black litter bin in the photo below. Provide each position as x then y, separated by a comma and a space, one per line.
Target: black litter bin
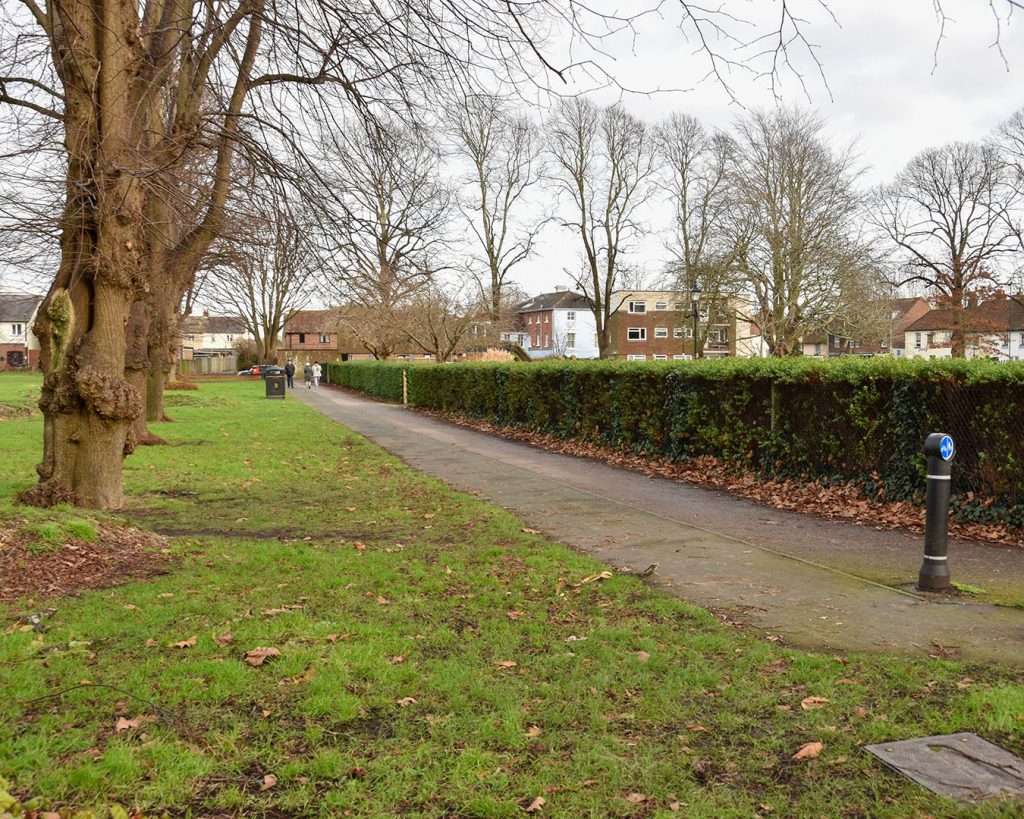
275, 386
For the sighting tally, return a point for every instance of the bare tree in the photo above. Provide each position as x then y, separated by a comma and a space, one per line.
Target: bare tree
952, 219
602, 164
704, 244
387, 218
436, 319
265, 268
504, 152
794, 206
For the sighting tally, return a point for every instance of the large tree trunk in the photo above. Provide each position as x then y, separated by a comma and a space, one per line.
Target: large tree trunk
88, 404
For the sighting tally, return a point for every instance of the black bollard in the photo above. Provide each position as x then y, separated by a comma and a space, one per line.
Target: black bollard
934, 575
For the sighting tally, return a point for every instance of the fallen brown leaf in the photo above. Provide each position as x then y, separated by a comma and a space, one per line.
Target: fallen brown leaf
530, 531
809, 750
259, 655
406, 701
223, 639
513, 614
810, 703
636, 798
191, 641
507, 664
536, 804
268, 782
534, 731
642, 656
335, 638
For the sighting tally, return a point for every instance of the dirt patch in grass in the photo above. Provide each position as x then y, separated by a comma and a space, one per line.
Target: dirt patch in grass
118, 555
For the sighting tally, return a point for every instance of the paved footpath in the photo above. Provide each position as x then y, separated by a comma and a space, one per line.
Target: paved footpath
810, 581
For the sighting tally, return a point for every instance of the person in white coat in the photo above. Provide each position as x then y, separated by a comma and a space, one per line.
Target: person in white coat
317, 372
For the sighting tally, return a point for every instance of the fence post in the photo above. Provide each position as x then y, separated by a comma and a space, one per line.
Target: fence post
405, 387
934, 574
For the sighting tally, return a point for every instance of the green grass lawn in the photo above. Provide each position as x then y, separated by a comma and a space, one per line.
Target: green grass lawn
435, 659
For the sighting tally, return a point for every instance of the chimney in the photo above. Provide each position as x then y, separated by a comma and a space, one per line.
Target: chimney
561, 288
206, 313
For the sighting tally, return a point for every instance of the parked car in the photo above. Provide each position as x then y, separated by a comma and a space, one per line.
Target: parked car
248, 371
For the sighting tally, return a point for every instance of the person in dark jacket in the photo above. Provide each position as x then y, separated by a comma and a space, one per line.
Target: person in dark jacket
307, 375
289, 371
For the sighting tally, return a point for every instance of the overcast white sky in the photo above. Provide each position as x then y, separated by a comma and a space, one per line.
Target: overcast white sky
885, 90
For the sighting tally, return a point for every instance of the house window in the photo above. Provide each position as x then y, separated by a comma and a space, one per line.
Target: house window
325, 338
302, 338
16, 329
679, 307
1021, 341
835, 343
681, 358
570, 315
570, 340
547, 341
636, 358
547, 318
638, 307
661, 332
677, 332
230, 338
917, 340
190, 338
661, 358
529, 319
661, 305
637, 334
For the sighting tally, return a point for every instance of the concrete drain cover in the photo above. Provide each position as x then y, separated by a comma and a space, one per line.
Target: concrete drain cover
962, 766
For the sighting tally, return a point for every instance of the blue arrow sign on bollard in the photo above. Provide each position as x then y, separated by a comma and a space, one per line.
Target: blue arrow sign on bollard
946, 447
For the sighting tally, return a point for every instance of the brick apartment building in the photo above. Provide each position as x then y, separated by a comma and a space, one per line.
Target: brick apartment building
657, 325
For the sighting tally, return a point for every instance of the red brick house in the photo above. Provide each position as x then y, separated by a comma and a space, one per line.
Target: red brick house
311, 331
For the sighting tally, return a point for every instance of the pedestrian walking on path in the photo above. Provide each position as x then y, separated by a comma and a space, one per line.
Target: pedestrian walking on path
307, 374
289, 371
317, 372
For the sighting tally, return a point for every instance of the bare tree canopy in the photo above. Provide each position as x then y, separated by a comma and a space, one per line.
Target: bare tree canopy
952, 217
265, 266
704, 243
602, 165
795, 206
504, 154
384, 225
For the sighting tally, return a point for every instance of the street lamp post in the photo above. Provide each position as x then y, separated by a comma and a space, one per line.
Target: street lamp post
695, 299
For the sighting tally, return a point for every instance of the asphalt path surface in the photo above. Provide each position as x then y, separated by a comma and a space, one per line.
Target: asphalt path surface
808, 581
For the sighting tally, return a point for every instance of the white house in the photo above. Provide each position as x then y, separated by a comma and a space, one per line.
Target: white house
19, 348
556, 324
994, 329
209, 342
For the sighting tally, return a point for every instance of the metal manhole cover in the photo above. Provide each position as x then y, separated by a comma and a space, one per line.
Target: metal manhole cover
962, 766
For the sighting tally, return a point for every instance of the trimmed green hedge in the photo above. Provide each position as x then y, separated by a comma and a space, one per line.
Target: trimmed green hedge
847, 419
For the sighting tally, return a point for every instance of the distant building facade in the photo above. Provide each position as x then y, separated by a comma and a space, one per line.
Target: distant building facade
555, 324
19, 347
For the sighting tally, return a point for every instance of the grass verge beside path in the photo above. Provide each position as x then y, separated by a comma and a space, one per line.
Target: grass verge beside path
434, 658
